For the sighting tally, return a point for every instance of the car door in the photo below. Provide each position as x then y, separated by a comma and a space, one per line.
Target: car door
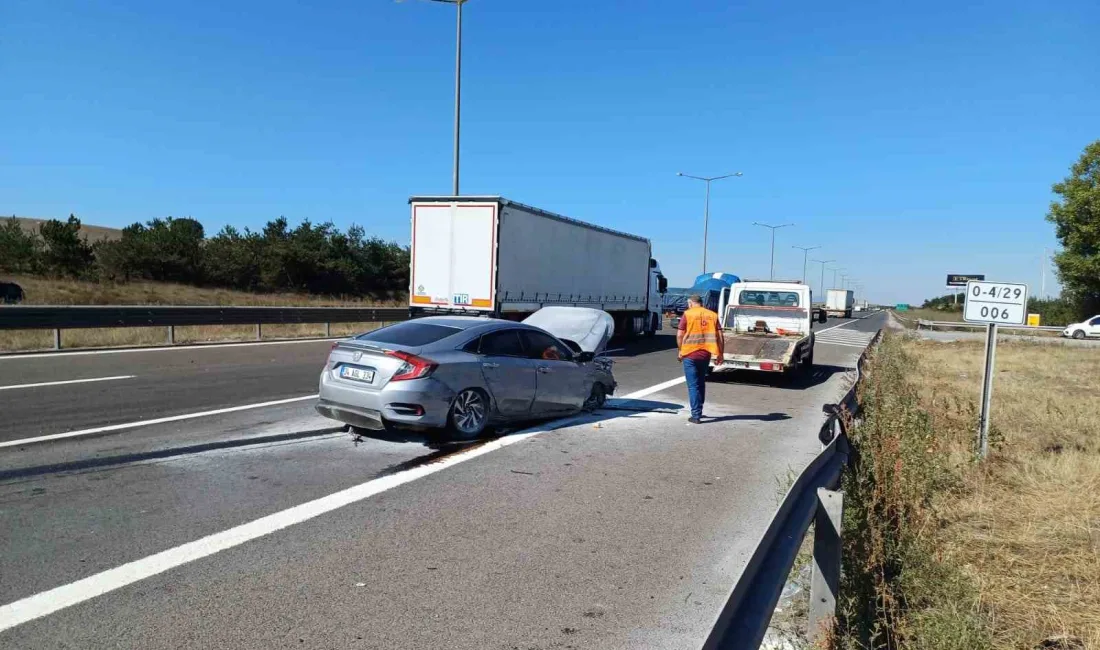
1094, 327
508, 373
559, 380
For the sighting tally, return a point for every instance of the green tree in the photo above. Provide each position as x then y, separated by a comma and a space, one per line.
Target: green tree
67, 253
20, 251
1076, 218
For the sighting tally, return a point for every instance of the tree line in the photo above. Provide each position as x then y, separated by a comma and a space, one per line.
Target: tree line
309, 258
1054, 311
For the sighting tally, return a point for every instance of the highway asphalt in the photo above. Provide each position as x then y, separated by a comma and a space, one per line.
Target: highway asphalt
620, 529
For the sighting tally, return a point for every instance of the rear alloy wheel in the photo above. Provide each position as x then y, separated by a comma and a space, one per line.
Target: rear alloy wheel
469, 414
1079, 334
597, 398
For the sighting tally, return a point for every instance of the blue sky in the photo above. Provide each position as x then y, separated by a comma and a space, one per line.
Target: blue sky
909, 140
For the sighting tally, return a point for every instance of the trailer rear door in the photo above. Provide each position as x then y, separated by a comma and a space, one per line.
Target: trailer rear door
454, 255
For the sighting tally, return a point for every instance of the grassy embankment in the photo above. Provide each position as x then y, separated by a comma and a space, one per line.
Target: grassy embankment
42, 291
943, 552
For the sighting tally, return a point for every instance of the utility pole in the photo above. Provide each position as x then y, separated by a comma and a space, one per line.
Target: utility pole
1043, 275
805, 258
706, 205
773, 229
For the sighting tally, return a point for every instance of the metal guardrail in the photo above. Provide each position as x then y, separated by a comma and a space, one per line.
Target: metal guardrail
947, 324
58, 318
748, 611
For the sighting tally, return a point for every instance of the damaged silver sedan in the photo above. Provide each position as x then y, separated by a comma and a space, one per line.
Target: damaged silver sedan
465, 374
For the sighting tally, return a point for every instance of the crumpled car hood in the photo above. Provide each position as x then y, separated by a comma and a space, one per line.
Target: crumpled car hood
590, 329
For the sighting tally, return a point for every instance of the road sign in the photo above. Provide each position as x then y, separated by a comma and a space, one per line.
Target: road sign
902, 307
995, 303
960, 279
992, 303
1033, 320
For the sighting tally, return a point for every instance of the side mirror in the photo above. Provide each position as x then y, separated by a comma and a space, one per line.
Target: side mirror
662, 284
585, 357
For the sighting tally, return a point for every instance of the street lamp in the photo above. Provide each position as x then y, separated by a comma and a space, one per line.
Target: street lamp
834, 274
773, 229
822, 287
458, 83
805, 256
706, 206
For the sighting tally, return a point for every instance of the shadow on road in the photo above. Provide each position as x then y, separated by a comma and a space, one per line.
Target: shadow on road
782, 381
767, 417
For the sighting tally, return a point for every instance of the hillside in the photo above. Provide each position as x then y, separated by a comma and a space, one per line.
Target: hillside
93, 233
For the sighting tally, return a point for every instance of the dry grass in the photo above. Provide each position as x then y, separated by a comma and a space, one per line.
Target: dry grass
1025, 525
932, 314
45, 291
48, 291
944, 552
92, 233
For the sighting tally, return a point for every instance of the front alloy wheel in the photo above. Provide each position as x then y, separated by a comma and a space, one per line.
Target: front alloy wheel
1079, 334
470, 413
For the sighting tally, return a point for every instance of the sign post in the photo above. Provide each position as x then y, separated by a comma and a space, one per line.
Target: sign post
992, 303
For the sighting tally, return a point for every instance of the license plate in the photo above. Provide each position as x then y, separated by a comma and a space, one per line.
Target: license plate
358, 374
736, 364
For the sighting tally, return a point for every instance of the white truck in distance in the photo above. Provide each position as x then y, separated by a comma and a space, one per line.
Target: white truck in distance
488, 255
767, 326
839, 302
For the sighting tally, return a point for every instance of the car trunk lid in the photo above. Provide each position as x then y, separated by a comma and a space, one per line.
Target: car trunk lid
373, 357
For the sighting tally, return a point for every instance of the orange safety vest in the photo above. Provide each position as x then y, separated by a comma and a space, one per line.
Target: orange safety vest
700, 331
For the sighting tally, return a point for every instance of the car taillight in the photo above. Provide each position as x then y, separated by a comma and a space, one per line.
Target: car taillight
776, 367
414, 367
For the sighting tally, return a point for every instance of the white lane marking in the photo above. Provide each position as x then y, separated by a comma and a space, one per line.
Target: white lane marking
145, 423
11, 356
58, 598
66, 382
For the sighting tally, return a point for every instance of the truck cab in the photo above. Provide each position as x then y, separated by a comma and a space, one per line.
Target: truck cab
767, 326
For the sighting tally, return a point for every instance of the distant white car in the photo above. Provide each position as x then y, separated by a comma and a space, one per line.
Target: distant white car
1090, 327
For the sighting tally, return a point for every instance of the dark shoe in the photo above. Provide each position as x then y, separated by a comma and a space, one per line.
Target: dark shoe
694, 421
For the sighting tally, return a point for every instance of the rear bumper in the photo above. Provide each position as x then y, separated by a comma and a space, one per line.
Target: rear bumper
372, 409
750, 364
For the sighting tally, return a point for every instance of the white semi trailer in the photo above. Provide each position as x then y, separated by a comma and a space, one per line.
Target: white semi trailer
487, 255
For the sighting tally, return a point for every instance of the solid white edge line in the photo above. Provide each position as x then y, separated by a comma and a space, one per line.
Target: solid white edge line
58, 598
145, 423
14, 356
66, 382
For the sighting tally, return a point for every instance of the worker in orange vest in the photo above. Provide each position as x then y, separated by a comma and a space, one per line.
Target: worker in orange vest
698, 341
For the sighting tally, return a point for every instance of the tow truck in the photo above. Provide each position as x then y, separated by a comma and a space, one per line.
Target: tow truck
767, 327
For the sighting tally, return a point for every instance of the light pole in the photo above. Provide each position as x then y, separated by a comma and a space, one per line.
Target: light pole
773, 229
822, 287
458, 83
706, 206
834, 274
805, 258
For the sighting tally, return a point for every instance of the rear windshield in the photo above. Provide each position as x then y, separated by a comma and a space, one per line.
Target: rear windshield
769, 298
411, 333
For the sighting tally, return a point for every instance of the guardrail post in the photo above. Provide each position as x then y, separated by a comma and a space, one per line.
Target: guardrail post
328, 330
259, 331
825, 583
171, 335
57, 338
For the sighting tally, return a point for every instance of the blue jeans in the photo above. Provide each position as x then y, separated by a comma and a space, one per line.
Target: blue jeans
696, 374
